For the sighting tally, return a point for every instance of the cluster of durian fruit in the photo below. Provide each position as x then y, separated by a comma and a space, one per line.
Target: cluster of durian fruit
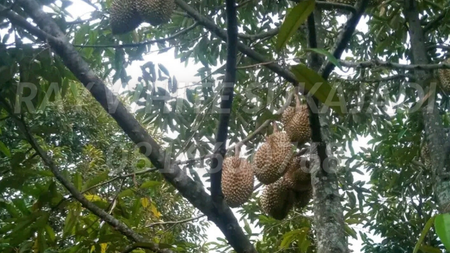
127, 15
283, 172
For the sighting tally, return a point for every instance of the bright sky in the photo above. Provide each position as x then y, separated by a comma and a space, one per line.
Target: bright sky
185, 75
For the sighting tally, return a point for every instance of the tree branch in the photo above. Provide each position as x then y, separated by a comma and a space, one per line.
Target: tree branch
434, 128
226, 102
393, 65
175, 222
331, 5
262, 35
249, 137
328, 212
379, 80
188, 188
344, 38
286, 74
72, 189
141, 43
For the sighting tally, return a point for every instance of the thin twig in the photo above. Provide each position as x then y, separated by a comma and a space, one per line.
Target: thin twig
175, 222
393, 65
175, 35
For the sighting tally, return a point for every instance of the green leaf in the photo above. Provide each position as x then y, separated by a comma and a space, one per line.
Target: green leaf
319, 88
430, 249
163, 69
350, 231
78, 181
424, 233
291, 236
442, 225
97, 179
294, 19
74, 89
4, 149
69, 224
150, 184
50, 234
266, 115
125, 193
42, 244
247, 227
21, 206
326, 53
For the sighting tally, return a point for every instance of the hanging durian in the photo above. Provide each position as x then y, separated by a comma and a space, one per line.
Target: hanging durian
155, 12
124, 16
277, 200
127, 15
296, 122
271, 159
237, 180
297, 176
302, 198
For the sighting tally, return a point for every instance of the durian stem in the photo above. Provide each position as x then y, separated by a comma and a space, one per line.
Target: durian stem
275, 127
237, 150
297, 102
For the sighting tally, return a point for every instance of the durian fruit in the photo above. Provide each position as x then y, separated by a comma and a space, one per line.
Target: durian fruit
444, 77
296, 122
124, 17
277, 200
297, 176
237, 180
302, 198
155, 12
271, 159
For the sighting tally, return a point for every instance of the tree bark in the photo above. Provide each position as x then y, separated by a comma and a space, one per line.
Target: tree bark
434, 129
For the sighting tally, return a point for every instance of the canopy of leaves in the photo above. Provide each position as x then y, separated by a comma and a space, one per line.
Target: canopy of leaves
37, 213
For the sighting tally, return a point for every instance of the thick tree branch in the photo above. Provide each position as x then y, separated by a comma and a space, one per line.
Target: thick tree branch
328, 212
73, 190
434, 128
331, 6
379, 80
393, 65
188, 188
226, 102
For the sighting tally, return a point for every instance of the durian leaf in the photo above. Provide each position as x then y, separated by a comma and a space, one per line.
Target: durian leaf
429, 249
326, 53
4, 149
424, 233
294, 19
442, 226
319, 88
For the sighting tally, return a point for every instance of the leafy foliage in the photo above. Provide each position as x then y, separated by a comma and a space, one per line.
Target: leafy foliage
36, 214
